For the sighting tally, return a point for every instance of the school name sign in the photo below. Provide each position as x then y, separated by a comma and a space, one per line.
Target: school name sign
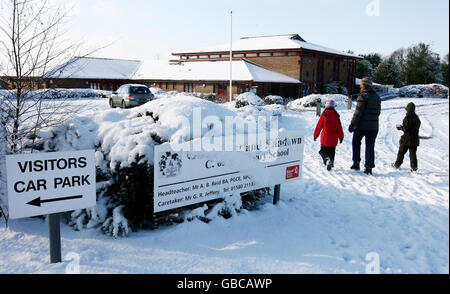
45, 183
184, 178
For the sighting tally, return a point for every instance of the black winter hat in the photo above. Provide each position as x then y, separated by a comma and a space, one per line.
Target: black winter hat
410, 107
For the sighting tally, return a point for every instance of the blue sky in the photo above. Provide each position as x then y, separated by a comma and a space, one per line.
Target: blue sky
140, 29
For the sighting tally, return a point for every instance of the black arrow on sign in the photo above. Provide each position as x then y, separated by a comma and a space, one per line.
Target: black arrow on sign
37, 202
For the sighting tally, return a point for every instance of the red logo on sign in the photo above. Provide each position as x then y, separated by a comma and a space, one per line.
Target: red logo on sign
292, 172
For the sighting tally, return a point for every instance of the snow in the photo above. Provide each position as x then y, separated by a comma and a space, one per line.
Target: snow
242, 70
96, 68
430, 90
309, 102
328, 222
269, 43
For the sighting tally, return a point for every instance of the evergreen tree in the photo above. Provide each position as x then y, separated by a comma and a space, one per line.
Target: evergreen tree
445, 76
363, 69
388, 73
399, 56
422, 66
374, 58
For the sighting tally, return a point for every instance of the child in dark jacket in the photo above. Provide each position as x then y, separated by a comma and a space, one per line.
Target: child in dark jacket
331, 125
410, 139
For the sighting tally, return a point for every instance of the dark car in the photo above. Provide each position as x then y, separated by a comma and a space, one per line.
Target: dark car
130, 95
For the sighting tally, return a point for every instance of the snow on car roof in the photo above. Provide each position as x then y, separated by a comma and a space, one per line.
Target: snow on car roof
243, 70
278, 42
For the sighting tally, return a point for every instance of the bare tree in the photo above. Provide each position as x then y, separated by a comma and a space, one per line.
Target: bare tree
33, 41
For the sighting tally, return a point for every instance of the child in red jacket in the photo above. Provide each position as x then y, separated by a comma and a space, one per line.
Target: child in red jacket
330, 123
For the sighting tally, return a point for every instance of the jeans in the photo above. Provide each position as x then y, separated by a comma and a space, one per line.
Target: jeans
370, 136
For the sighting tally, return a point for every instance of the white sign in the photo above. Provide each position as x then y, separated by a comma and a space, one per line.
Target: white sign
188, 177
45, 183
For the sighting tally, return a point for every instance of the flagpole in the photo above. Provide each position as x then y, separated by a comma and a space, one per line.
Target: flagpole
231, 56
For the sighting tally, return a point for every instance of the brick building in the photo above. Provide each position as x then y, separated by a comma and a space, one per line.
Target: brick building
290, 55
213, 77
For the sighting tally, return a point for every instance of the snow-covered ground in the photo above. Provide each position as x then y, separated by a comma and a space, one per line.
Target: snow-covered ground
328, 222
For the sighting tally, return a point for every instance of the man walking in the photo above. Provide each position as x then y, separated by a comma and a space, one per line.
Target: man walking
364, 124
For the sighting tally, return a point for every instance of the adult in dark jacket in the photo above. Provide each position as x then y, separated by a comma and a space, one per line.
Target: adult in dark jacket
364, 124
410, 139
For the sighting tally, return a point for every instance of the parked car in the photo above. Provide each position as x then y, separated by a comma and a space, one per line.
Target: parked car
130, 95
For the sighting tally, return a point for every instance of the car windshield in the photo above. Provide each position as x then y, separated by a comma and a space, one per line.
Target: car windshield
139, 90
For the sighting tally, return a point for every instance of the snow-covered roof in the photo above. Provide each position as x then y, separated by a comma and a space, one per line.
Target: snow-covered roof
243, 70
96, 68
279, 42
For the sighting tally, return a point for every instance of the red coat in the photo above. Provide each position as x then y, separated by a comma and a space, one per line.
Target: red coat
332, 129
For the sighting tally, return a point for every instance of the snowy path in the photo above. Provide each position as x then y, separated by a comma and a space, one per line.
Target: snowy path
326, 223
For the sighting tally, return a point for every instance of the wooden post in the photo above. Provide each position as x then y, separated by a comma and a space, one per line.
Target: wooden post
318, 107
276, 194
349, 103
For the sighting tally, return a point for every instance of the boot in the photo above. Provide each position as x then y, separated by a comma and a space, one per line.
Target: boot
395, 166
329, 164
368, 171
355, 166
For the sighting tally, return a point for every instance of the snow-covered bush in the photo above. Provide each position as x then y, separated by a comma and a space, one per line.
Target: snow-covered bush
310, 101
248, 98
420, 91
273, 99
124, 141
335, 87
156, 90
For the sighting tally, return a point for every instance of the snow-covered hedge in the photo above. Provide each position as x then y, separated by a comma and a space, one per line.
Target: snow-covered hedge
248, 98
310, 101
62, 93
420, 91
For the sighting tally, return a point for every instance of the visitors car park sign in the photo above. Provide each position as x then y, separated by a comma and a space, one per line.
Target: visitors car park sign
184, 178
46, 183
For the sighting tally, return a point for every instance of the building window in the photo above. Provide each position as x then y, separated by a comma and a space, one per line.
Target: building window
292, 53
220, 89
279, 54
215, 56
189, 87
238, 55
264, 54
193, 57
225, 55
183, 57
252, 54
203, 57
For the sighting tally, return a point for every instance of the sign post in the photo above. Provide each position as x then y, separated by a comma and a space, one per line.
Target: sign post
54, 237
50, 183
318, 107
276, 194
